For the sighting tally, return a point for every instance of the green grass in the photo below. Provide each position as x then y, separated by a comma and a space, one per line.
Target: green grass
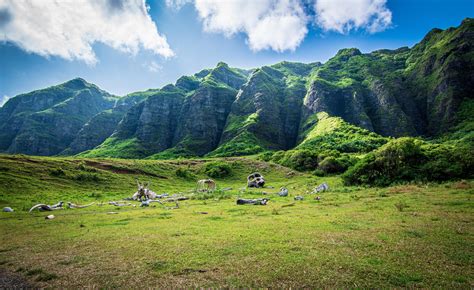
353, 237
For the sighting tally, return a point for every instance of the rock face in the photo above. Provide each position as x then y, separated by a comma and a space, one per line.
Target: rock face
425, 90
182, 120
102, 125
45, 122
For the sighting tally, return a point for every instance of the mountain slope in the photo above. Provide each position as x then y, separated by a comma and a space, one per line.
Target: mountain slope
421, 91
184, 119
45, 122
103, 124
333, 133
266, 112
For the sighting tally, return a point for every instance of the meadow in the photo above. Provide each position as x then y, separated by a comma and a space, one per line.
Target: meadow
407, 235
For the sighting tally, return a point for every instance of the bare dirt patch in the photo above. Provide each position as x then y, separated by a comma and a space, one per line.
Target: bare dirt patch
10, 280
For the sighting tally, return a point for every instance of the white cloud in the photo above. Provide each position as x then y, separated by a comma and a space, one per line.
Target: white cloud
282, 24
177, 4
68, 29
269, 24
345, 15
3, 100
153, 66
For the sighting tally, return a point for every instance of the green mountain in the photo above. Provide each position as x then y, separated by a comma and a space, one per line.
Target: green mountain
349, 104
45, 122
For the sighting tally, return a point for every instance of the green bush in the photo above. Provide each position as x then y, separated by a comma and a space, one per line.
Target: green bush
448, 162
408, 159
302, 160
266, 156
321, 162
217, 169
57, 172
184, 173
319, 172
332, 165
83, 167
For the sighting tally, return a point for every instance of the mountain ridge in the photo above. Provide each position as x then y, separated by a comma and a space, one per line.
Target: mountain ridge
226, 111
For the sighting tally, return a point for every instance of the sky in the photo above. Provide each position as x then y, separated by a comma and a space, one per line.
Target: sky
125, 46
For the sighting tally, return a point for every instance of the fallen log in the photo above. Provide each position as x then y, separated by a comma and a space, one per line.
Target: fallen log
258, 201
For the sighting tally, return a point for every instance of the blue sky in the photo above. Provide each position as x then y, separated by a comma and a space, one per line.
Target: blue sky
129, 66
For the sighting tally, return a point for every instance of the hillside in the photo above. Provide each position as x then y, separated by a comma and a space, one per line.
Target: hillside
421, 91
45, 122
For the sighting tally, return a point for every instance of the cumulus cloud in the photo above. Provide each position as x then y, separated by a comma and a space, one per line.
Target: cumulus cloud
269, 24
345, 15
68, 29
282, 24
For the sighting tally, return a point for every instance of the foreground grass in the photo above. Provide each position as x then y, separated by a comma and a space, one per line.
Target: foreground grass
402, 236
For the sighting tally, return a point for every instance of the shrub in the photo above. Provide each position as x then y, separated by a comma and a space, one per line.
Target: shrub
332, 165
302, 160
408, 159
184, 173
83, 167
57, 172
217, 169
448, 162
265, 156
390, 163
319, 172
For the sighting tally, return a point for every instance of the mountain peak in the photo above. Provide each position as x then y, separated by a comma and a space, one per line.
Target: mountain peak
76, 83
222, 64
348, 52
467, 21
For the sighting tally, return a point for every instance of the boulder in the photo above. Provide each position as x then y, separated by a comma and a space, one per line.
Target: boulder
255, 180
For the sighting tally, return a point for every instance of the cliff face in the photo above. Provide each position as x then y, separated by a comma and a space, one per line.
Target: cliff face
45, 122
227, 111
186, 118
102, 125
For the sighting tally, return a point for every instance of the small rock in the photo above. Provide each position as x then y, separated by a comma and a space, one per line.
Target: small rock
7, 209
49, 217
317, 198
283, 191
299, 197
112, 212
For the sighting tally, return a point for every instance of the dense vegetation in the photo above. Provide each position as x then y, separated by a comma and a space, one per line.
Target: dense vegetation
408, 159
227, 111
320, 118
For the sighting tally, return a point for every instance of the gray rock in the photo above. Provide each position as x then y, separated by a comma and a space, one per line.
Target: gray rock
255, 180
8, 209
283, 191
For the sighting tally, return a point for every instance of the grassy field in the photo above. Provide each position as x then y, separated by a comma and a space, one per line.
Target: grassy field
418, 235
